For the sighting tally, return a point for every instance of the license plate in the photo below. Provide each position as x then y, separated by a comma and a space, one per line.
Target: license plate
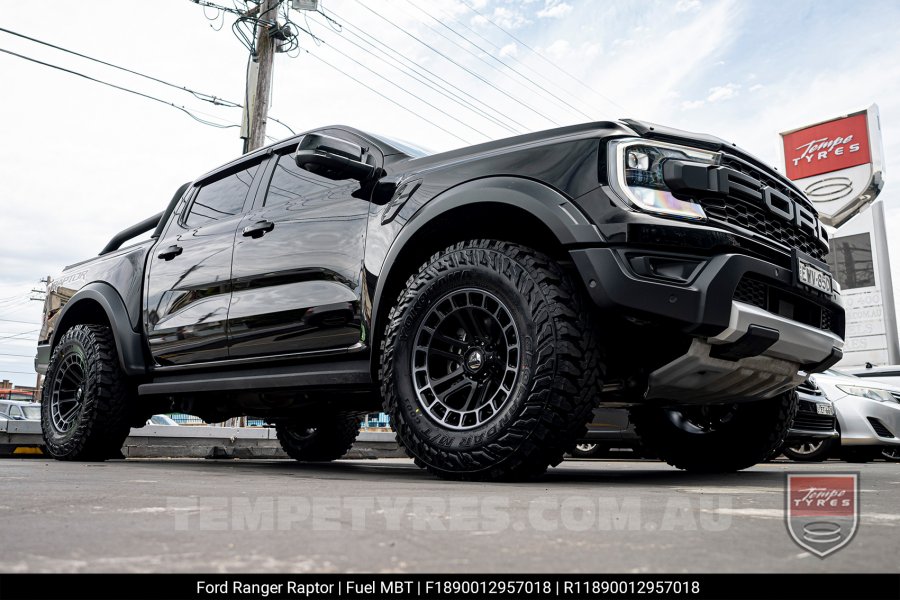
813, 277
825, 409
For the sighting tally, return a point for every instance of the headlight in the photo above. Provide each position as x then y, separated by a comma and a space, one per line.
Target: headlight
870, 393
636, 174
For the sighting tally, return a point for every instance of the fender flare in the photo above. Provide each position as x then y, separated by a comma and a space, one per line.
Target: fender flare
567, 222
129, 344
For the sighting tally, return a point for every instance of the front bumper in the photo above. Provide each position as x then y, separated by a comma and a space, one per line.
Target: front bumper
810, 423
866, 422
739, 350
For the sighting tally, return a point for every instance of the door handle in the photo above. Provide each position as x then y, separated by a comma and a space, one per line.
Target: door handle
258, 229
170, 252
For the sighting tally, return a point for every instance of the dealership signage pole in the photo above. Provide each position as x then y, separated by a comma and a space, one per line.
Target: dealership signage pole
839, 165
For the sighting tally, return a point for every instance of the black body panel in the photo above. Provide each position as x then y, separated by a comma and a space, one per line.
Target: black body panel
260, 270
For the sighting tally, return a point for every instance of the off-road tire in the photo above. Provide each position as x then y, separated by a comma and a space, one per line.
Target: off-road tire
326, 439
754, 431
818, 455
101, 424
559, 371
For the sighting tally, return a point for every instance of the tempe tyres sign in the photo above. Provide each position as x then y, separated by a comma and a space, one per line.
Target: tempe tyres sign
837, 163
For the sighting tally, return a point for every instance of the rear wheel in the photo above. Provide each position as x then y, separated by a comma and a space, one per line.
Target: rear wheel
489, 364
810, 451
717, 438
323, 439
84, 403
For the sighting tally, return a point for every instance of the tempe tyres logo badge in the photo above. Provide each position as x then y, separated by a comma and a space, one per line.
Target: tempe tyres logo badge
822, 512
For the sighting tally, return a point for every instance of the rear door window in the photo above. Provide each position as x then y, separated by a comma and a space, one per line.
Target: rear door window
221, 199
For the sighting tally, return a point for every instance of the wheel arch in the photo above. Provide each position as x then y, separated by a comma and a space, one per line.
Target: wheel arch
99, 303
512, 209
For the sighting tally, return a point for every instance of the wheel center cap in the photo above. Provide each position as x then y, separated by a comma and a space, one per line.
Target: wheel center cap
475, 359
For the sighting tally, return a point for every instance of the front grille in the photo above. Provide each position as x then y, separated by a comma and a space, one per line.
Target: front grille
808, 419
752, 291
733, 211
772, 298
808, 387
880, 428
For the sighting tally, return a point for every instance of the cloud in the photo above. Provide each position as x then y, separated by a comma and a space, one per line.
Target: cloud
687, 5
554, 9
723, 92
509, 18
558, 49
692, 104
756, 87
510, 49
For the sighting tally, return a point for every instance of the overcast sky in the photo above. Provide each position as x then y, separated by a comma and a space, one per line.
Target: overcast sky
80, 161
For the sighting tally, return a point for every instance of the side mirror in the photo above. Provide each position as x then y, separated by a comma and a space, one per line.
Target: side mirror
333, 158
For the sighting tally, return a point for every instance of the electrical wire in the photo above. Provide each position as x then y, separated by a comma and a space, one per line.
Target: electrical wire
9, 337
446, 17
461, 66
542, 57
216, 100
22, 322
392, 101
491, 55
402, 89
421, 74
484, 61
118, 87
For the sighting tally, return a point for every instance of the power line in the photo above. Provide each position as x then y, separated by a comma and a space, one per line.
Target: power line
463, 67
475, 32
542, 57
392, 101
118, 87
18, 355
488, 53
414, 71
14, 321
394, 83
481, 59
216, 100
9, 337
19, 372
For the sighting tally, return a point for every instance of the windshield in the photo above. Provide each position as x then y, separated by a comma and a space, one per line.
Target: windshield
405, 147
836, 373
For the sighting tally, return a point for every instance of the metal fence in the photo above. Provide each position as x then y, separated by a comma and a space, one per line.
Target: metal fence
370, 421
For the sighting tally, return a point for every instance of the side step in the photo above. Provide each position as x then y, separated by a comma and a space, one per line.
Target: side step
334, 374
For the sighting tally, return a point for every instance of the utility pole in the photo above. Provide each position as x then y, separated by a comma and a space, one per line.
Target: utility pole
258, 96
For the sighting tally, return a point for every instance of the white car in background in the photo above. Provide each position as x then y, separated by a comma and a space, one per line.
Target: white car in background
868, 414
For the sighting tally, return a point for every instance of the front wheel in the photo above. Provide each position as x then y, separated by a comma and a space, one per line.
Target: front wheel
489, 363
718, 438
891, 453
586, 450
810, 451
84, 402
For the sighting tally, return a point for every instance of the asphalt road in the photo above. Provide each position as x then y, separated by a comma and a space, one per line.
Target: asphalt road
388, 516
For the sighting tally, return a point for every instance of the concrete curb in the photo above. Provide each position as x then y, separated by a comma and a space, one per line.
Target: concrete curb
18, 438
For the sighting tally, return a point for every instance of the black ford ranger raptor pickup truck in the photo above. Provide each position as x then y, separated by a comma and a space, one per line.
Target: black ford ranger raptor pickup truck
488, 298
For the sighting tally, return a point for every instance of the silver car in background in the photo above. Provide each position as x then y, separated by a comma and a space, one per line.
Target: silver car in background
868, 414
